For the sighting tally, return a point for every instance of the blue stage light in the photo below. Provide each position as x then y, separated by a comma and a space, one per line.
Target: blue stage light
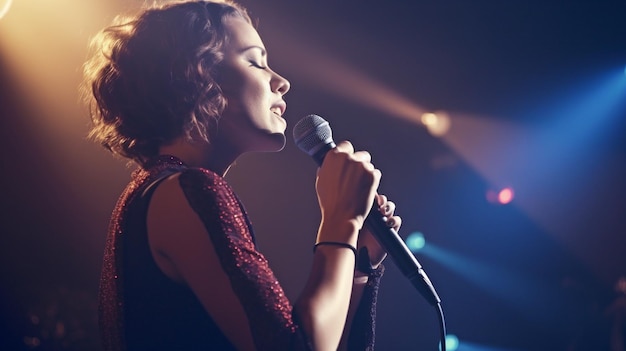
415, 241
452, 342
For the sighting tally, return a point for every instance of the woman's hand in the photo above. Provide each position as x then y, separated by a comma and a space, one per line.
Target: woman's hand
346, 186
366, 239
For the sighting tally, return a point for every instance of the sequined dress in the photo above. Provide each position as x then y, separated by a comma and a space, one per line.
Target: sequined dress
142, 309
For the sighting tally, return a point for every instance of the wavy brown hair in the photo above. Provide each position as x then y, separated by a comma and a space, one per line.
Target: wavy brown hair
152, 78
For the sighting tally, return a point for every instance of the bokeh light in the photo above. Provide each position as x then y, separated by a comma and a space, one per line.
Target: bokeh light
502, 197
437, 123
415, 241
452, 343
505, 196
429, 118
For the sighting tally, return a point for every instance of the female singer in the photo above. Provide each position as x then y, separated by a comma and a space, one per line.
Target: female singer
183, 90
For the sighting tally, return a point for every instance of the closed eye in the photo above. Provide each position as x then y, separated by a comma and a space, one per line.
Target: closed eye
255, 64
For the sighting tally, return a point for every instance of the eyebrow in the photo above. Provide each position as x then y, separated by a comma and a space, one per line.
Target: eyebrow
263, 52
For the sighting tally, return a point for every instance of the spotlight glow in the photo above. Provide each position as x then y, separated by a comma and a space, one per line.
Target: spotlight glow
502, 197
452, 342
415, 241
429, 119
505, 196
437, 123
4, 7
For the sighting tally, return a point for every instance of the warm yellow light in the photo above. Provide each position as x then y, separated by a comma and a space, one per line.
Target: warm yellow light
4, 7
429, 119
437, 124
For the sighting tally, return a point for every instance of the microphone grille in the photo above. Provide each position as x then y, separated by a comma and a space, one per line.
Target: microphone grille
312, 133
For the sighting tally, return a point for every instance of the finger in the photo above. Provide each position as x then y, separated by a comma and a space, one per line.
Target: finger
377, 174
372, 169
344, 146
362, 156
394, 222
380, 200
388, 208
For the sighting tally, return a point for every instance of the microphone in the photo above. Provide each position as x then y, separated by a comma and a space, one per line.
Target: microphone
312, 134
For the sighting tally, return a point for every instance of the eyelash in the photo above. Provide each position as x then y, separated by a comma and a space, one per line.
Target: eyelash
257, 65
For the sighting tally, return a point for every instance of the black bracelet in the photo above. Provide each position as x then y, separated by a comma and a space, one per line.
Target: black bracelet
335, 243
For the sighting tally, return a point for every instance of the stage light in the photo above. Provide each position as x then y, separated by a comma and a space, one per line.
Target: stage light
415, 241
429, 118
4, 7
503, 196
452, 343
437, 123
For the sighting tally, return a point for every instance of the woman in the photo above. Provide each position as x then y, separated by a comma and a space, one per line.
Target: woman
183, 90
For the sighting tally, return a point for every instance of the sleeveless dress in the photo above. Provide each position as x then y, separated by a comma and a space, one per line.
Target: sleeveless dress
142, 309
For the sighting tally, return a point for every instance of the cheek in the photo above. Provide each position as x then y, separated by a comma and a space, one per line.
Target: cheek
246, 105
241, 91
230, 81
245, 90
251, 95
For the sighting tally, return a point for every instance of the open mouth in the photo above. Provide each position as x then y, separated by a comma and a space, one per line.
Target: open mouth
279, 108
277, 111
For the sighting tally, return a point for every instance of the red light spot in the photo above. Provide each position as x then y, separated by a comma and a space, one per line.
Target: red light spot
505, 196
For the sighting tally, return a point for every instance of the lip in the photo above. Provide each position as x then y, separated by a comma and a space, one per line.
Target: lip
281, 106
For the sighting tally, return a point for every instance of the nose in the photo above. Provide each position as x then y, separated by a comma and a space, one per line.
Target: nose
279, 84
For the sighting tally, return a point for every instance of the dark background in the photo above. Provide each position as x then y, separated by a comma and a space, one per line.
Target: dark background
536, 274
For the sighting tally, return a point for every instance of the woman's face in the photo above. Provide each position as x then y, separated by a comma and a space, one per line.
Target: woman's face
252, 120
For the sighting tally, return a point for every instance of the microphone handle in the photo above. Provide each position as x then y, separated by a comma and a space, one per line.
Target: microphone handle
404, 259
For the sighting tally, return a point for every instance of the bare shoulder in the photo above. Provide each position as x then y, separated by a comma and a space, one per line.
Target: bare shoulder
183, 250
168, 206
174, 228
170, 210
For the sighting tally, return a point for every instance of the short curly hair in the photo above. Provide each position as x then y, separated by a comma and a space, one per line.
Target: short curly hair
152, 78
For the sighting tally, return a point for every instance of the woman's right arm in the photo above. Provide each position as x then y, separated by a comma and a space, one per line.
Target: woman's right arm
346, 187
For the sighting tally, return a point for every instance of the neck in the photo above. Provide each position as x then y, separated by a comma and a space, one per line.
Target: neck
213, 156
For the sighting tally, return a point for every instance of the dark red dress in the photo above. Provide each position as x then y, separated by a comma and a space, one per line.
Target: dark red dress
142, 309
